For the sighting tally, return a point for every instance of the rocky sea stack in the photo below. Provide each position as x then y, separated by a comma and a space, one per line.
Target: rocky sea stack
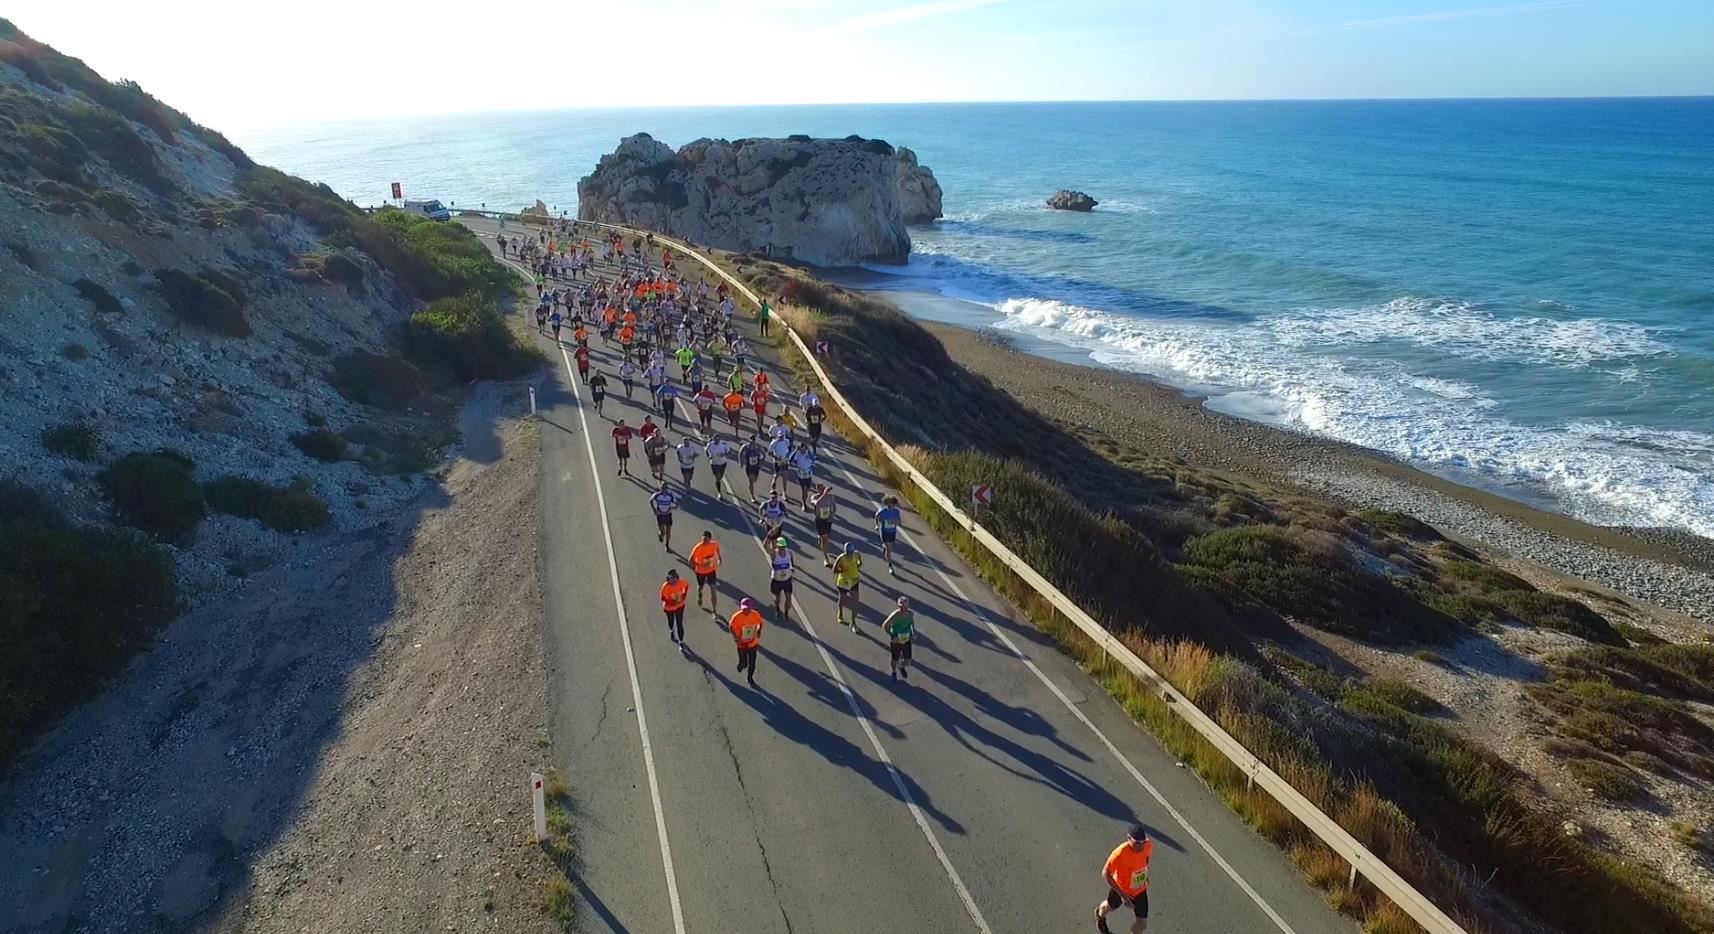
828, 202
1067, 200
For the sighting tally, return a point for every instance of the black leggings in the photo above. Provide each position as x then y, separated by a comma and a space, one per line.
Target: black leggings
747, 661
675, 623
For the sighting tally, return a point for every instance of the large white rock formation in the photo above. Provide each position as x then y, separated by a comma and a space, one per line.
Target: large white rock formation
828, 202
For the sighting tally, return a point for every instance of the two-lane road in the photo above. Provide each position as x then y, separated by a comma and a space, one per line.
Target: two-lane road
982, 795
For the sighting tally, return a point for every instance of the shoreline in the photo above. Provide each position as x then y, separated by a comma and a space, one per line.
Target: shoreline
1669, 569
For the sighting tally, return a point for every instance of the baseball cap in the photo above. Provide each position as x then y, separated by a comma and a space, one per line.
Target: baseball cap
1139, 833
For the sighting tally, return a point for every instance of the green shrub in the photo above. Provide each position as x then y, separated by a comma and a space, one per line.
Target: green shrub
1637, 635
283, 509
74, 351
1618, 720
77, 440
342, 269
1605, 779
1399, 523
433, 258
319, 205
1401, 695
404, 447
197, 301
75, 605
226, 283
112, 138
1319, 585
383, 381
466, 338
322, 444
99, 297
117, 206
1474, 593
156, 493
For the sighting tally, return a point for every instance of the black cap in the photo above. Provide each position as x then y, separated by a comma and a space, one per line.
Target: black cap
1139, 833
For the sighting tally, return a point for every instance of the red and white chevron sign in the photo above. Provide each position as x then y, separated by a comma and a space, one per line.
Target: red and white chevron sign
982, 494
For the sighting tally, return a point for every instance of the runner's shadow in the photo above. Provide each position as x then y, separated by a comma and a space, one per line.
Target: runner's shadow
837, 750
588, 897
1025, 763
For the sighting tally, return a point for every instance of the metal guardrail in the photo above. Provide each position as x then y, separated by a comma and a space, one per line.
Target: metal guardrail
1363, 862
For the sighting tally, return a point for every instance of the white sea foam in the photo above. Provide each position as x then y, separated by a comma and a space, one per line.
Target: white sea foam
1471, 331
1603, 472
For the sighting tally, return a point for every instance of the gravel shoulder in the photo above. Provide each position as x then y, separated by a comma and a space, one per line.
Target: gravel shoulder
342, 744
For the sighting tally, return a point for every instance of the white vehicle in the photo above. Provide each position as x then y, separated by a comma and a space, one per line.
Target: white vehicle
430, 209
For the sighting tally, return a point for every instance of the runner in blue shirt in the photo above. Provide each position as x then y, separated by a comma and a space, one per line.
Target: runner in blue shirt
887, 523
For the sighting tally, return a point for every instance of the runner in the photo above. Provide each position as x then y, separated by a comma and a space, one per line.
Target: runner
685, 357
751, 455
826, 504
747, 634
581, 355
663, 502
667, 395
718, 451
655, 449
734, 403
705, 409
887, 523
813, 416
648, 428
687, 451
735, 382
900, 627
847, 572
554, 322
759, 402
627, 374
673, 594
598, 390
773, 513
705, 561
622, 447
803, 464
1126, 873
655, 376
761, 380
780, 450
780, 573
787, 421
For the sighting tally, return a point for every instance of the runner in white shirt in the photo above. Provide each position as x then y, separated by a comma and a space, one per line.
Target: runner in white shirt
628, 376
663, 502
773, 513
808, 399
718, 451
687, 452
781, 450
803, 463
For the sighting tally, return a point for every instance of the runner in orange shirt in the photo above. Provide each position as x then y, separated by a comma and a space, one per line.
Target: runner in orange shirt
673, 594
734, 403
747, 634
1126, 873
705, 561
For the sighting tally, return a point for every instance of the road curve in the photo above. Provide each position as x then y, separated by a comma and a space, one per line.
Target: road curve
982, 796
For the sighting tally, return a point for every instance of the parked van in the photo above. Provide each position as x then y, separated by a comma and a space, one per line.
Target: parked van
430, 209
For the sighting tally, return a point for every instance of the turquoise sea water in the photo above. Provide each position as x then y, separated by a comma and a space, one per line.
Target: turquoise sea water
1518, 294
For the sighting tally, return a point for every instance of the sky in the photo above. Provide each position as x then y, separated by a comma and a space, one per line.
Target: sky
236, 65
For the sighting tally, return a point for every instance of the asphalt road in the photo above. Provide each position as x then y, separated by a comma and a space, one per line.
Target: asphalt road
982, 795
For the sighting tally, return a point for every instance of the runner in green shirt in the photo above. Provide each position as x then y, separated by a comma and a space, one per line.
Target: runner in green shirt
900, 626
685, 357
735, 382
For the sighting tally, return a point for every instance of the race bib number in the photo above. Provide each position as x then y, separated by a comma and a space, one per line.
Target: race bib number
1140, 878
748, 632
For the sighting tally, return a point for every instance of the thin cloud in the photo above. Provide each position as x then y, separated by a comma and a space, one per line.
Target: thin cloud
1447, 15
907, 14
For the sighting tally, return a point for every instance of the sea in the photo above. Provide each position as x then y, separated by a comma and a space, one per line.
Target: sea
1514, 294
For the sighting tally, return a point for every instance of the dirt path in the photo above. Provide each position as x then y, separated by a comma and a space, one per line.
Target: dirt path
343, 746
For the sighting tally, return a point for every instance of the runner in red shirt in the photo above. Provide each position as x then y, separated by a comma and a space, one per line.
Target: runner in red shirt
581, 355
622, 446
705, 410
648, 428
759, 402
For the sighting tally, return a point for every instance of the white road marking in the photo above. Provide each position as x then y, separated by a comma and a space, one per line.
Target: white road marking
875, 741
630, 655
1077, 712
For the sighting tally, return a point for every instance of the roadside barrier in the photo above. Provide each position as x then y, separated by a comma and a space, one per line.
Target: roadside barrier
1363, 862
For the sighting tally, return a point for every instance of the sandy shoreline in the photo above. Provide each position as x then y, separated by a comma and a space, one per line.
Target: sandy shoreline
1668, 569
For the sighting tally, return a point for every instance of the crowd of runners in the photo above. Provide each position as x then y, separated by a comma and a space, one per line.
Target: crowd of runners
674, 339
677, 340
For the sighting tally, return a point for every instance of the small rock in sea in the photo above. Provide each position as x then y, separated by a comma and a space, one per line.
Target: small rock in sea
1067, 200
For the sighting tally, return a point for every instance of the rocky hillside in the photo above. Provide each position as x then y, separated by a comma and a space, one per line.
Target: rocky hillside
828, 202
220, 356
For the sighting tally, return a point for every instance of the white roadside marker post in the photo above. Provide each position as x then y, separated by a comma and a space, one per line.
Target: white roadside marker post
538, 800
532, 400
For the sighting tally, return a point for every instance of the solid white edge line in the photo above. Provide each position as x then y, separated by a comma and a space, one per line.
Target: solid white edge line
1124, 761
630, 655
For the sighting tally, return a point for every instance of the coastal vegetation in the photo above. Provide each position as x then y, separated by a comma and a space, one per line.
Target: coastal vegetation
289, 509
1205, 575
75, 603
